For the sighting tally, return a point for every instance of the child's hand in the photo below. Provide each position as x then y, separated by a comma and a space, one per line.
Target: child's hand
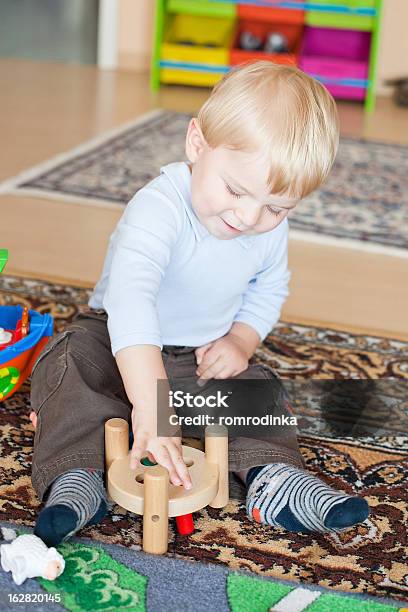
164, 451
222, 358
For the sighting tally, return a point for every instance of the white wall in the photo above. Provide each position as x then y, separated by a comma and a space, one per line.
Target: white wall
393, 49
135, 34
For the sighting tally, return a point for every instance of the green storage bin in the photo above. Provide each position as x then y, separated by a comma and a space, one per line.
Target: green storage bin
343, 14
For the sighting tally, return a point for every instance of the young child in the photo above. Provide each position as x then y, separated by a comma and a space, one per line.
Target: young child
194, 279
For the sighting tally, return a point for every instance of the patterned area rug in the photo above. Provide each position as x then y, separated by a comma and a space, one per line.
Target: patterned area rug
109, 578
363, 204
369, 559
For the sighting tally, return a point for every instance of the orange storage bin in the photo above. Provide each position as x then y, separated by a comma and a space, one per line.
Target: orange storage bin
293, 33
276, 15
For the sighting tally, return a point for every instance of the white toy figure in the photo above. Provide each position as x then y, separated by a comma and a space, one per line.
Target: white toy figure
276, 43
28, 557
5, 336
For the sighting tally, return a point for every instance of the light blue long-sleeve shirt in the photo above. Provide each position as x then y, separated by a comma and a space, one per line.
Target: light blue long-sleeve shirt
167, 281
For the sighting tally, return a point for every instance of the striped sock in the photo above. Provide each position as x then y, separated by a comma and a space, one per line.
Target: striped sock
285, 496
76, 498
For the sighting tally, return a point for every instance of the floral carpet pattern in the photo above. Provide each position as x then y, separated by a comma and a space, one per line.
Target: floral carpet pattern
107, 578
363, 201
370, 559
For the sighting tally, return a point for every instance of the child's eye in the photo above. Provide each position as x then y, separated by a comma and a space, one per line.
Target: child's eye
232, 192
273, 211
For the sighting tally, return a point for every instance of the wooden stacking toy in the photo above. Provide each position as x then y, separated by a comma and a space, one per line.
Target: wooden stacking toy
146, 490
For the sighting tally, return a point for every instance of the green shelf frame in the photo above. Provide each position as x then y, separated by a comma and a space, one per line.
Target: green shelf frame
227, 8
369, 103
204, 8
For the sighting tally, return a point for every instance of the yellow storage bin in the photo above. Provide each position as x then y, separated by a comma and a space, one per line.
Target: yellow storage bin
189, 77
195, 50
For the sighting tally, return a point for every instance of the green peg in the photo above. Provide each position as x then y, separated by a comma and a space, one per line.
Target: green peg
146, 462
3, 259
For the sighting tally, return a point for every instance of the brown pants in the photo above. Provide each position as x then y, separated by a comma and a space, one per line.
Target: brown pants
76, 387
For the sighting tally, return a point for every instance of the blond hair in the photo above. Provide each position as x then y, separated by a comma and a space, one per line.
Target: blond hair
280, 111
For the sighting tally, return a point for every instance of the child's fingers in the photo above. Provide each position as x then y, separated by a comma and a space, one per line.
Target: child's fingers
226, 372
150, 457
200, 352
138, 449
181, 468
210, 372
33, 418
162, 457
210, 357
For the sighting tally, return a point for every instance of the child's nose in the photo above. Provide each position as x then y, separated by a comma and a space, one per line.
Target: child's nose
248, 215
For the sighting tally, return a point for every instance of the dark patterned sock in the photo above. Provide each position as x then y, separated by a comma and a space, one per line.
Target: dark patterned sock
284, 495
252, 473
77, 498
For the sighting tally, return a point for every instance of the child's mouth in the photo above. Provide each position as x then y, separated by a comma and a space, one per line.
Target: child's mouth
231, 227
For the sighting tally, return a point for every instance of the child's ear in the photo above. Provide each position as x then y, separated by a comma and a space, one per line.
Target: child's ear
195, 141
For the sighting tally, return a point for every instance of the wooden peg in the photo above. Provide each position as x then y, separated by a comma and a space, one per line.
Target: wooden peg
156, 510
116, 440
216, 451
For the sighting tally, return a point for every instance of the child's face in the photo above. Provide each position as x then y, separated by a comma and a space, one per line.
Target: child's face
230, 195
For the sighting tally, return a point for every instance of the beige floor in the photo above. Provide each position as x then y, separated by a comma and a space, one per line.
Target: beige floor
47, 109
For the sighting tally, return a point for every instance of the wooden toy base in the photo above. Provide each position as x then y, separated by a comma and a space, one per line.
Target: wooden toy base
146, 489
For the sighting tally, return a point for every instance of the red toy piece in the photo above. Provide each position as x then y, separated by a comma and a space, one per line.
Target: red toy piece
185, 524
23, 326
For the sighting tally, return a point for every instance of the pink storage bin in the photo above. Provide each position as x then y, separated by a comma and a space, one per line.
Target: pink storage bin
337, 54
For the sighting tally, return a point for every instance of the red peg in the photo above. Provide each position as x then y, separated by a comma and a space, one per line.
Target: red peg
185, 524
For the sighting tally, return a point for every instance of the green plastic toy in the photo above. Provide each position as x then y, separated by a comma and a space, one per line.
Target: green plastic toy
3, 259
